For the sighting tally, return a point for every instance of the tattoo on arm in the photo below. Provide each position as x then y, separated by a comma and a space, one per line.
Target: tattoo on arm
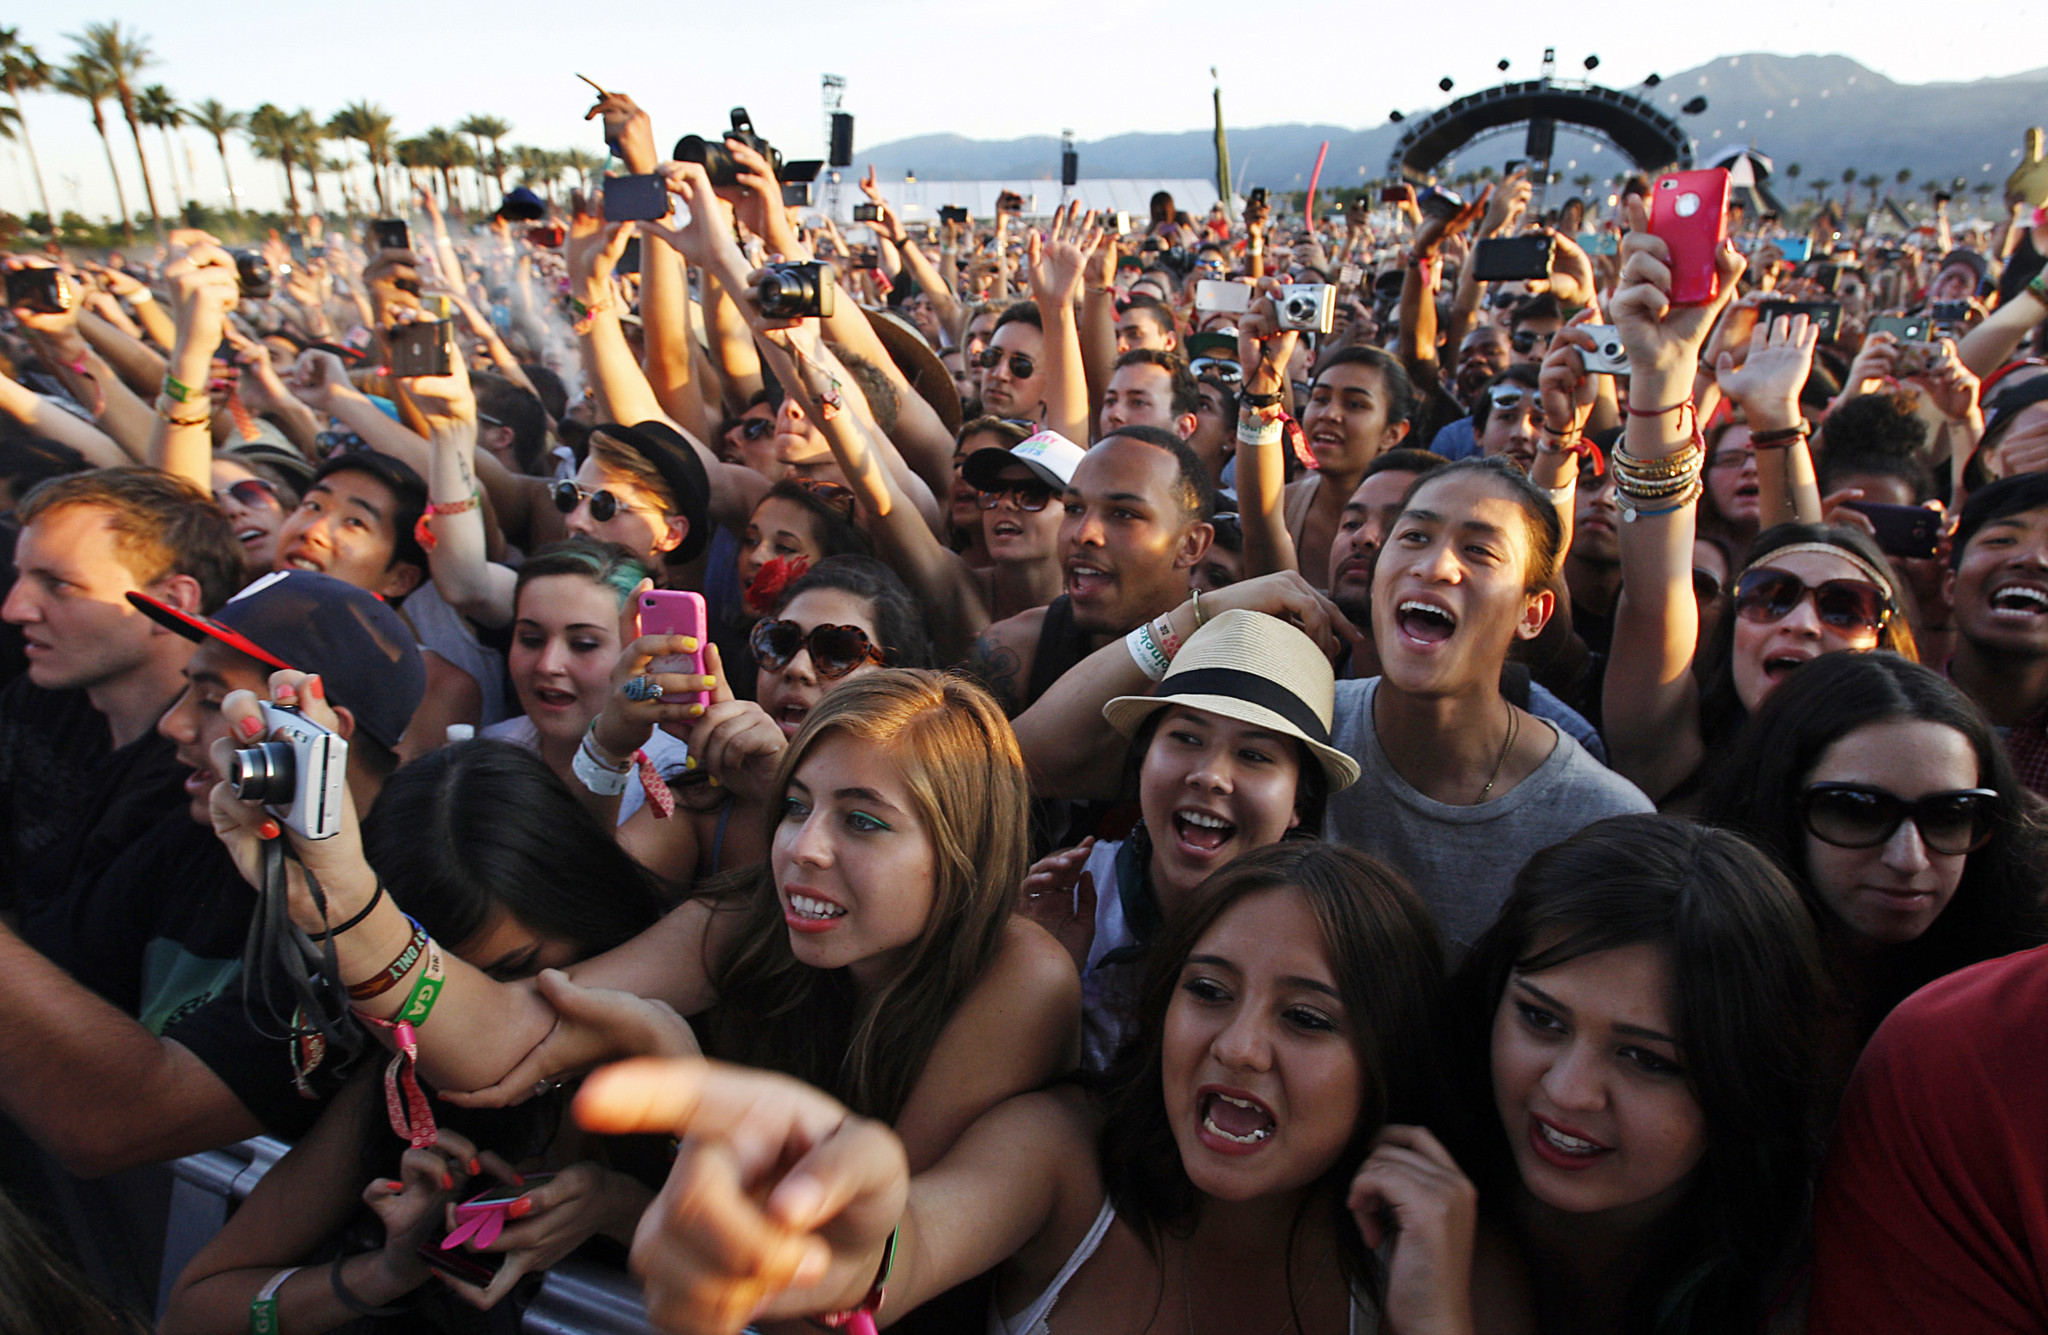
997, 666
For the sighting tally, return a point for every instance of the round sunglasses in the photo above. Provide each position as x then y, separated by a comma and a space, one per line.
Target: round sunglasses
1021, 366
753, 428
835, 650
1858, 815
1764, 595
603, 504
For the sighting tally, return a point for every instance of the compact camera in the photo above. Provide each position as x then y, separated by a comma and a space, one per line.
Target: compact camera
1309, 306
867, 213
795, 291
1609, 354
41, 291
252, 275
718, 164
298, 777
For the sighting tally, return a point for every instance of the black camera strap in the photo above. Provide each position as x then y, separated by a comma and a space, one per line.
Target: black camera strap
279, 958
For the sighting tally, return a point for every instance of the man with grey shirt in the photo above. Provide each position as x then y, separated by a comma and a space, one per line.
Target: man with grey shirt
1460, 787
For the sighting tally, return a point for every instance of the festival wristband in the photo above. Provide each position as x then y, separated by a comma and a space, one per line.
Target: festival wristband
389, 977
423, 529
861, 1320
263, 1318
1146, 653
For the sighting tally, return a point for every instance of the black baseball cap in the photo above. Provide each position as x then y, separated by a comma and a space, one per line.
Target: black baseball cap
310, 622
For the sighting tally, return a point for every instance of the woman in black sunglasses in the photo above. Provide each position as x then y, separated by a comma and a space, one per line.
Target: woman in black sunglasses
846, 616
1884, 791
1671, 700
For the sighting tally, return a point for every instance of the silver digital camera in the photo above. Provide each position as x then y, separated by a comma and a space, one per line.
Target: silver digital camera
1309, 306
297, 776
1609, 355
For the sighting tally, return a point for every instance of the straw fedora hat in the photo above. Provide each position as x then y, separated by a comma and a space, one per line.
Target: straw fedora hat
1256, 669
918, 363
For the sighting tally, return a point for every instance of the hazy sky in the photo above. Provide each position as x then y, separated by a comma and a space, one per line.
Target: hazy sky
913, 66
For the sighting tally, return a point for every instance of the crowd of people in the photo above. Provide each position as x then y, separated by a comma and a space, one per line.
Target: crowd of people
1223, 773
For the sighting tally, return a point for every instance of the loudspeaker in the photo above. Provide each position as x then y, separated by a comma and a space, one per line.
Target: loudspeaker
842, 139
1070, 166
1542, 139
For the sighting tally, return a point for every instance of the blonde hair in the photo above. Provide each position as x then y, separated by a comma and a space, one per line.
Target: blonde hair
614, 457
966, 780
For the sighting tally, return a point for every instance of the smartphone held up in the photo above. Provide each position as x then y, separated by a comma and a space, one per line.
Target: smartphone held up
1689, 211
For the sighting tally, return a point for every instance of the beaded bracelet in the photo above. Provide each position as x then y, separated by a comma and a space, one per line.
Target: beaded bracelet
170, 414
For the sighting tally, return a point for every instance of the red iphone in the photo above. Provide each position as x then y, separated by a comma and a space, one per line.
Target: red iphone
676, 612
1689, 210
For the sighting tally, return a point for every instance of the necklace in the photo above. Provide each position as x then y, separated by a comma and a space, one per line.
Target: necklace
1187, 1302
1514, 723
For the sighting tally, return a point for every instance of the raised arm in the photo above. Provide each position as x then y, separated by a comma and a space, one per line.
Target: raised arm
1651, 698
181, 440
1766, 386
1058, 260
46, 419
459, 559
1264, 350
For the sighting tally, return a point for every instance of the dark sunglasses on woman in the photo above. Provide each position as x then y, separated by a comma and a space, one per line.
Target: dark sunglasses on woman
603, 505
1764, 595
1856, 815
753, 428
1031, 497
1021, 366
835, 650
251, 493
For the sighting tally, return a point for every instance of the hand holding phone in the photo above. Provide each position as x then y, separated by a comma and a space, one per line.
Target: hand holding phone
1688, 211
676, 612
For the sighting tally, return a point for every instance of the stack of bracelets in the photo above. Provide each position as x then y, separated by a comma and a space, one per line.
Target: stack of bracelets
1260, 421
1651, 487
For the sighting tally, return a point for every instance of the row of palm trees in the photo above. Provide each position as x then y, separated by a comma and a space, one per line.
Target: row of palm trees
1851, 180
107, 64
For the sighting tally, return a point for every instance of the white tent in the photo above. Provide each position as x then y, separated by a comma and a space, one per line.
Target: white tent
918, 202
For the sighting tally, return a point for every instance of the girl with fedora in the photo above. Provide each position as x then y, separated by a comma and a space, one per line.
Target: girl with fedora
1231, 752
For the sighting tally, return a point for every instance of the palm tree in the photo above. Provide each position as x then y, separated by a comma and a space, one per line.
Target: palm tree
443, 151
585, 165
24, 71
1904, 177
481, 128
84, 80
155, 108
219, 122
369, 125
307, 136
121, 56
1792, 170
1873, 183
272, 139
1820, 192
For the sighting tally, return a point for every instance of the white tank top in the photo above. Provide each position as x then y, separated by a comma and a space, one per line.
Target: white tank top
1036, 1317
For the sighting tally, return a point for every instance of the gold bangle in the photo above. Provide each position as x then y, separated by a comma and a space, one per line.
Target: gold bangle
169, 414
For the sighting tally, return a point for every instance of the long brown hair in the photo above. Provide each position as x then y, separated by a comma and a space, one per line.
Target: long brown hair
965, 774
1388, 960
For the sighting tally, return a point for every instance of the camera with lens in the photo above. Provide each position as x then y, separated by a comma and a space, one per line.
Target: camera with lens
298, 776
1309, 306
252, 274
795, 291
717, 162
40, 291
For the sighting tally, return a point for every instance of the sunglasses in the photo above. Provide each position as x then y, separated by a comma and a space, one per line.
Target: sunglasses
1506, 396
835, 650
1031, 497
839, 497
754, 428
1856, 815
1765, 595
1229, 372
251, 493
603, 505
1021, 366
1706, 585
1525, 339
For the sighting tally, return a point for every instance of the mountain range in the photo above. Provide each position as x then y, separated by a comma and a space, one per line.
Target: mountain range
1826, 113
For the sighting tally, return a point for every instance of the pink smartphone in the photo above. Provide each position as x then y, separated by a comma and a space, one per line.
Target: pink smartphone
1689, 210
676, 612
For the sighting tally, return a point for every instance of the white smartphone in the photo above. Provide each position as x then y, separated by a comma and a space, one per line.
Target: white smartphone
1217, 294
